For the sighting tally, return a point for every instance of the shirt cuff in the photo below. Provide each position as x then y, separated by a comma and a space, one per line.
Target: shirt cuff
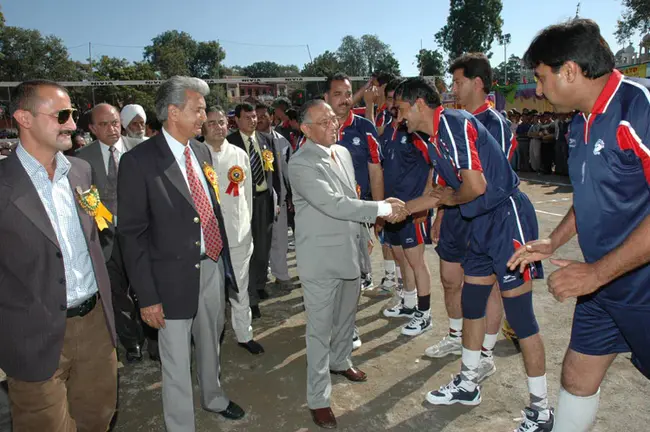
384, 209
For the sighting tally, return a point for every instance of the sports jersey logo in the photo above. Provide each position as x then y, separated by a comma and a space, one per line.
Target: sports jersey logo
409, 240
598, 147
356, 141
404, 139
572, 142
509, 278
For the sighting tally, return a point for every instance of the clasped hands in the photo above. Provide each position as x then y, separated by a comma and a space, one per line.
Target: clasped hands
432, 198
399, 211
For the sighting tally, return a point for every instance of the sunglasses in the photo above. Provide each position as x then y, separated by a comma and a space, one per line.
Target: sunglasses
64, 115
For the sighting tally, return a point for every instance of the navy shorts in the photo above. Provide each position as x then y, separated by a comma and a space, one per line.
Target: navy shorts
496, 235
410, 232
454, 236
601, 327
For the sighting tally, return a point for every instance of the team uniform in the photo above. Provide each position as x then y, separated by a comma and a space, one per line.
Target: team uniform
609, 166
406, 170
502, 219
498, 127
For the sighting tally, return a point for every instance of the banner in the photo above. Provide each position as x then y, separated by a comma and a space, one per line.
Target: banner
637, 71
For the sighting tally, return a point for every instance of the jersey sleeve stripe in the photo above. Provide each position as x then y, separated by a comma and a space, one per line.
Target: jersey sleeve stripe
629, 140
438, 180
473, 161
373, 148
513, 146
453, 141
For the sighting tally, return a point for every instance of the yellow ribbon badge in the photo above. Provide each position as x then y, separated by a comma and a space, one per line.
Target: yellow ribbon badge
92, 204
211, 175
267, 155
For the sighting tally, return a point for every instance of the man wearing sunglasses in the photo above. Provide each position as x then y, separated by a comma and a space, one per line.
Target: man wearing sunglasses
55, 293
104, 156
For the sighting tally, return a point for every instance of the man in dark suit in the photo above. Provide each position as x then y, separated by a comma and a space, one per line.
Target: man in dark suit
56, 318
265, 171
104, 156
176, 251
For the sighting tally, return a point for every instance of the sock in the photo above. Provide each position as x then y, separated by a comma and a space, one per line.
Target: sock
575, 413
538, 393
424, 303
469, 369
410, 298
389, 267
398, 272
488, 344
456, 327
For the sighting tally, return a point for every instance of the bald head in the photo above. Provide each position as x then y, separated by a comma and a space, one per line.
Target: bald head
105, 123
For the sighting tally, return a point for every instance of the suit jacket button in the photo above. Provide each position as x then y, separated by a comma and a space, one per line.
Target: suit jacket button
198, 243
63, 307
198, 266
197, 220
62, 281
59, 255
358, 236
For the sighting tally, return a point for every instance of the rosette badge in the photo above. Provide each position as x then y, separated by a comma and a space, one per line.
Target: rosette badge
91, 203
267, 155
236, 177
211, 175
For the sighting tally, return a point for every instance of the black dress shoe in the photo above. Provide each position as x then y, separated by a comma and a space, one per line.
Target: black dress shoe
262, 294
134, 354
252, 347
233, 412
152, 349
255, 312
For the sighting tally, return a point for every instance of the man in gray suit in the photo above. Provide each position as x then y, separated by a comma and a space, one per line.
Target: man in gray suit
328, 233
104, 156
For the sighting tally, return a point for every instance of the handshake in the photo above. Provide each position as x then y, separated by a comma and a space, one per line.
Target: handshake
399, 211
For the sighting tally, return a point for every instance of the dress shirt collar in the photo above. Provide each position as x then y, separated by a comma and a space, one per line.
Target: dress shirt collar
32, 166
119, 146
247, 137
175, 146
327, 150
221, 149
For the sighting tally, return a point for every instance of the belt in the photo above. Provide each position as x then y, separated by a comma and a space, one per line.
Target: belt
84, 308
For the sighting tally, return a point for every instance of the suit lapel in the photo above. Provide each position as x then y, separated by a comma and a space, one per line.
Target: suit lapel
98, 161
76, 181
170, 167
26, 199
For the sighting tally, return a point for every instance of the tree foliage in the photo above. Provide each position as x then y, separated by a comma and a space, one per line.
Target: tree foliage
176, 53
635, 17
365, 55
472, 26
270, 69
351, 57
514, 70
323, 65
430, 63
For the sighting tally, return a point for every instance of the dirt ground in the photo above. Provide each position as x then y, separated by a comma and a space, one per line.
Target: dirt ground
271, 387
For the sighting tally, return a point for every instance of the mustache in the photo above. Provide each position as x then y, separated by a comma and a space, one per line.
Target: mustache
68, 132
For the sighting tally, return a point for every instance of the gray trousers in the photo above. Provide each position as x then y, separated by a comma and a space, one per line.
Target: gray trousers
175, 342
331, 307
240, 307
364, 256
280, 245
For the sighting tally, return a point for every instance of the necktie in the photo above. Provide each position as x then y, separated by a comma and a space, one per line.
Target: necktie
209, 223
256, 163
110, 198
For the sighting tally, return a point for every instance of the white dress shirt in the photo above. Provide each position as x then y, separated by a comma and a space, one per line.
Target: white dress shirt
120, 149
178, 150
237, 210
262, 187
384, 208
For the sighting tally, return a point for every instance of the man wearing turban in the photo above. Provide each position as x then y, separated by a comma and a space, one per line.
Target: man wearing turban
133, 120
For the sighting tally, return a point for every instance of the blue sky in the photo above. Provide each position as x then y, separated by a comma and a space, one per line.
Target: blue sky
240, 26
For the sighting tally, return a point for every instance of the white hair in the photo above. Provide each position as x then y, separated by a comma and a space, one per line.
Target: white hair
172, 92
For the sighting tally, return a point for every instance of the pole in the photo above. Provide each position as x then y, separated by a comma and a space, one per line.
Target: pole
90, 67
505, 63
309, 52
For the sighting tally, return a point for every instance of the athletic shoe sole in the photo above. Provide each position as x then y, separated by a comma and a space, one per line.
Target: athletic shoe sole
389, 315
435, 401
406, 332
459, 351
489, 373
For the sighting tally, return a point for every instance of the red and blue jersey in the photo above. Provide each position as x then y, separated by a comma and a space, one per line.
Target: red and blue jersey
406, 164
498, 127
609, 166
461, 142
359, 136
383, 117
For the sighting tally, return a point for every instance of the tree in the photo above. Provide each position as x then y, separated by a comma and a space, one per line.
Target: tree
116, 69
176, 53
472, 26
27, 54
635, 17
289, 71
514, 70
351, 57
388, 64
269, 69
375, 52
323, 65
430, 63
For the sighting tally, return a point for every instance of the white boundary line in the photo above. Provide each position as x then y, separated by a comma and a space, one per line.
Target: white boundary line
549, 213
553, 201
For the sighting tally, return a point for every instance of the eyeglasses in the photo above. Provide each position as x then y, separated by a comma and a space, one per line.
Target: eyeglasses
64, 115
105, 124
330, 122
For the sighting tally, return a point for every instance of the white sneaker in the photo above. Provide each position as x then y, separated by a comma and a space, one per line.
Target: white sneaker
486, 367
420, 323
532, 423
453, 394
356, 343
388, 284
399, 311
448, 345
366, 282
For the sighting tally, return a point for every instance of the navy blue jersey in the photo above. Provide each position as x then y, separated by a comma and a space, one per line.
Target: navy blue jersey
498, 127
383, 117
359, 136
406, 164
609, 166
461, 142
